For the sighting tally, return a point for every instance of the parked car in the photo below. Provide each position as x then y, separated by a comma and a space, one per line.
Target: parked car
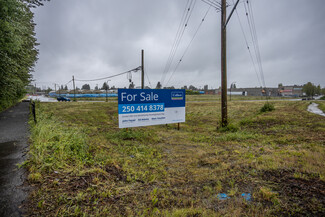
309, 98
63, 99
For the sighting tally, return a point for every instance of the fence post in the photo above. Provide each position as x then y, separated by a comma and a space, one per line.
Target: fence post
34, 112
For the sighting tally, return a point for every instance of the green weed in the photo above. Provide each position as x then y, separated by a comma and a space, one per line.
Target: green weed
267, 107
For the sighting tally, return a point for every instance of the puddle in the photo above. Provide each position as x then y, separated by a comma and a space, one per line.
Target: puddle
313, 108
11, 179
42, 98
7, 148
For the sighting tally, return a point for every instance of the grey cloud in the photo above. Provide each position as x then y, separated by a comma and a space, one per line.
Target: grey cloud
91, 39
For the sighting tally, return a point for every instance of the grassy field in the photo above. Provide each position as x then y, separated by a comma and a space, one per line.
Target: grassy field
321, 105
82, 164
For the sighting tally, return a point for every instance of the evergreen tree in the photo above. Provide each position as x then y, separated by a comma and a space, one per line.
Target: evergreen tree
105, 86
85, 87
159, 86
131, 86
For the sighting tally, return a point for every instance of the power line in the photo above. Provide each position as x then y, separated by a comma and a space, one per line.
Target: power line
98, 79
214, 4
257, 44
251, 24
67, 82
146, 73
185, 51
182, 27
250, 53
187, 18
181, 24
148, 79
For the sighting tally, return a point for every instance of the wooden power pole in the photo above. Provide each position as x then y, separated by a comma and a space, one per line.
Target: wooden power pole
224, 22
224, 121
142, 69
74, 89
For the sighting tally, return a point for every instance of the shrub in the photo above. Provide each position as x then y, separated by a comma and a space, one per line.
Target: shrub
229, 128
267, 107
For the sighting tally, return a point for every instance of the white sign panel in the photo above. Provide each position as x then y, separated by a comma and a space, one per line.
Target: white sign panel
145, 107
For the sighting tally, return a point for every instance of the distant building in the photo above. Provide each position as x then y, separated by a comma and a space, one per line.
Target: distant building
210, 92
292, 91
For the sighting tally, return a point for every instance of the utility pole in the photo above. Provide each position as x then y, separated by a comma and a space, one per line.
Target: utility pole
74, 89
224, 121
224, 22
142, 69
231, 86
106, 89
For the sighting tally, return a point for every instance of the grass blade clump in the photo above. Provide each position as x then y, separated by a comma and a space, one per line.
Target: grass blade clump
55, 146
267, 107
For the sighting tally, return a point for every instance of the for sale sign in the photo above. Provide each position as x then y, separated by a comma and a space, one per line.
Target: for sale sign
145, 107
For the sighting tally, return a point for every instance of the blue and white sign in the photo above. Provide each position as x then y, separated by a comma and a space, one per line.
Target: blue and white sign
145, 107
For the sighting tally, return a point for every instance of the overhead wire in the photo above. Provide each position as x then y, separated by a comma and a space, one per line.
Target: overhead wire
112, 76
146, 73
247, 45
148, 79
218, 3
190, 43
257, 43
181, 24
252, 28
179, 35
214, 4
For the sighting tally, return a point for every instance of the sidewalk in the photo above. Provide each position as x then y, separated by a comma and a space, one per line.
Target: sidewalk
13, 145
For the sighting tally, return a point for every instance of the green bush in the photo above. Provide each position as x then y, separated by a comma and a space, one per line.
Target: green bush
267, 107
229, 128
192, 92
322, 98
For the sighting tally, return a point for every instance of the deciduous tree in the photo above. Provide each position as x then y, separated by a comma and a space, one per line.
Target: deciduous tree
310, 89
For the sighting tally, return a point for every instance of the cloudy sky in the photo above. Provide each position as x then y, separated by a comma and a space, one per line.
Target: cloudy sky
98, 38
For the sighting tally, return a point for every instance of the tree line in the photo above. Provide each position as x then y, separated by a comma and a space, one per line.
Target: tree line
18, 52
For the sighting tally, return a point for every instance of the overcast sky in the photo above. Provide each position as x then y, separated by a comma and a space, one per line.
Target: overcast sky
97, 38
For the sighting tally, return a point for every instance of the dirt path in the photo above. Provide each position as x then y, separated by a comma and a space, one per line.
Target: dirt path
13, 145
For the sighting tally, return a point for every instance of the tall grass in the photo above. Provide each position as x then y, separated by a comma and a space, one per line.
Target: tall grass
54, 146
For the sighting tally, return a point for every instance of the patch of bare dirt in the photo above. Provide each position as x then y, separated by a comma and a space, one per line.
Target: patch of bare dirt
300, 197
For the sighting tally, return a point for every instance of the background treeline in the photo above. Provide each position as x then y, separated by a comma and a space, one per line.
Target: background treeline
18, 52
